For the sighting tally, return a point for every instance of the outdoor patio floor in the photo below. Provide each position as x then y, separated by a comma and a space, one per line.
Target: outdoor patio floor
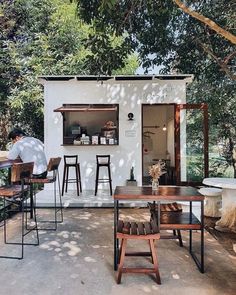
78, 259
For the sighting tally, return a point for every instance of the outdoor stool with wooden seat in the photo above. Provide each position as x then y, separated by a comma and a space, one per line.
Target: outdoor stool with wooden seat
71, 162
213, 201
52, 168
138, 231
169, 212
103, 161
15, 196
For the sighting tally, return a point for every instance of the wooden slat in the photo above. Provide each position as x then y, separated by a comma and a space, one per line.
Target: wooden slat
147, 228
126, 228
154, 227
134, 228
120, 226
141, 228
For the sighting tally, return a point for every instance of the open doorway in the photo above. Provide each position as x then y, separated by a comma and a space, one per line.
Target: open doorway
158, 140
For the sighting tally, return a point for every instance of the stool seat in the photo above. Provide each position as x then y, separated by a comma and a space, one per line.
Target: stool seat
138, 231
49, 179
131, 230
210, 191
213, 201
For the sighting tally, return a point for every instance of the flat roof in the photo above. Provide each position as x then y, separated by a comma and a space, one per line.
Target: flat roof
118, 78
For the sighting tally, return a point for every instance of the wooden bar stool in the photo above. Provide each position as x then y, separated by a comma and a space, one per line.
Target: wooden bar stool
103, 161
71, 161
17, 195
53, 165
139, 231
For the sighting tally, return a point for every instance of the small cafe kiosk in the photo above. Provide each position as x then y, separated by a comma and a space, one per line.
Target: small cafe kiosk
130, 118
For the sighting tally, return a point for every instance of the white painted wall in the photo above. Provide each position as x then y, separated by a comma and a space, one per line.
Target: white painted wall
129, 95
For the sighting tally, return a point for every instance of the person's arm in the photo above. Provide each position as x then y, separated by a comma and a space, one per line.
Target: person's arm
14, 152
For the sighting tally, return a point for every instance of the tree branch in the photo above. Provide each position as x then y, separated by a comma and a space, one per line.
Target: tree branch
210, 23
221, 63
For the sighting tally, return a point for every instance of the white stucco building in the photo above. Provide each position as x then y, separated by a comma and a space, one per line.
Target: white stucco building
132, 94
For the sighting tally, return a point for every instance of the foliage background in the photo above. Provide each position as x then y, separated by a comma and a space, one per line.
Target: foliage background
66, 37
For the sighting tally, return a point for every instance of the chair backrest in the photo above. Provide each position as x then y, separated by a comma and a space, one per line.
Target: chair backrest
53, 164
71, 159
21, 171
103, 159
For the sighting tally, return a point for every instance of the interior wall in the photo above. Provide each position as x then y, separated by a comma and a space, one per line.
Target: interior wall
157, 143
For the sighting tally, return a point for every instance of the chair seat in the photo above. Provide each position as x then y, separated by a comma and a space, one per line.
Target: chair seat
49, 179
11, 190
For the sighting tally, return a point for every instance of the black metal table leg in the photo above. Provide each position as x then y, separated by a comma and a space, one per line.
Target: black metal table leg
199, 263
190, 231
31, 200
202, 237
116, 241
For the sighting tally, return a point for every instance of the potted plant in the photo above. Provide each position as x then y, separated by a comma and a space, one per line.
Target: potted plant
131, 181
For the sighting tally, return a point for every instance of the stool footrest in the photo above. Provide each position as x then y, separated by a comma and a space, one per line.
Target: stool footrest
138, 254
138, 270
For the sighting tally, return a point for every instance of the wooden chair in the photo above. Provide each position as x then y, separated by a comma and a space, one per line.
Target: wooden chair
168, 212
17, 195
103, 161
53, 178
148, 231
71, 162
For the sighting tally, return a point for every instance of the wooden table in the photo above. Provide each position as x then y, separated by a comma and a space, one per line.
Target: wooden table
185, 221
227, 221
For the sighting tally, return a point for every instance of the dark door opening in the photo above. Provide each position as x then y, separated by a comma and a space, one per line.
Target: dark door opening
158, 141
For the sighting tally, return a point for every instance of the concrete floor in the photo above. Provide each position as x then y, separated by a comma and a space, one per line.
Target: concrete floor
77, 259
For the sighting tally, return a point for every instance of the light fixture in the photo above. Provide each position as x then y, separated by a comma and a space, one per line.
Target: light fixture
164, 127
130, 116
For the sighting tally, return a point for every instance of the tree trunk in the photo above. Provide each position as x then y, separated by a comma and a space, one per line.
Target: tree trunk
231, 149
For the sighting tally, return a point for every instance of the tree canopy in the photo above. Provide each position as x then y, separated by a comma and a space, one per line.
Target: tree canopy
183, 37
41, 37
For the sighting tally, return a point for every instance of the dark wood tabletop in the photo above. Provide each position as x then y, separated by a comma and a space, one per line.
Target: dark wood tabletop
6, 163
174, 193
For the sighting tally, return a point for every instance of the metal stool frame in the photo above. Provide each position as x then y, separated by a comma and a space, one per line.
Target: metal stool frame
67, 180
55, 179
18, 195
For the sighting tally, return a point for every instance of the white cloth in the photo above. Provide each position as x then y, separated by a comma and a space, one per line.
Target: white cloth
30, 149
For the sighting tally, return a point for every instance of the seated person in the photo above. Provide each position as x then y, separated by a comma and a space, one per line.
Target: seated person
29, 149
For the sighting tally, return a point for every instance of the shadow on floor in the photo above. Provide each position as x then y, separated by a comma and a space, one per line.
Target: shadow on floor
227, 240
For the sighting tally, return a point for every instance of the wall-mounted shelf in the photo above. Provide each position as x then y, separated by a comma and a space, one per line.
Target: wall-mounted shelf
85, 145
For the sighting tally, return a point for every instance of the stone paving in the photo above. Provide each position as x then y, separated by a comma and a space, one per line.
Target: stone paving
77, 259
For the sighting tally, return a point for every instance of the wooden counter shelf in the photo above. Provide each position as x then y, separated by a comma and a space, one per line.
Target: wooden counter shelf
80, 145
